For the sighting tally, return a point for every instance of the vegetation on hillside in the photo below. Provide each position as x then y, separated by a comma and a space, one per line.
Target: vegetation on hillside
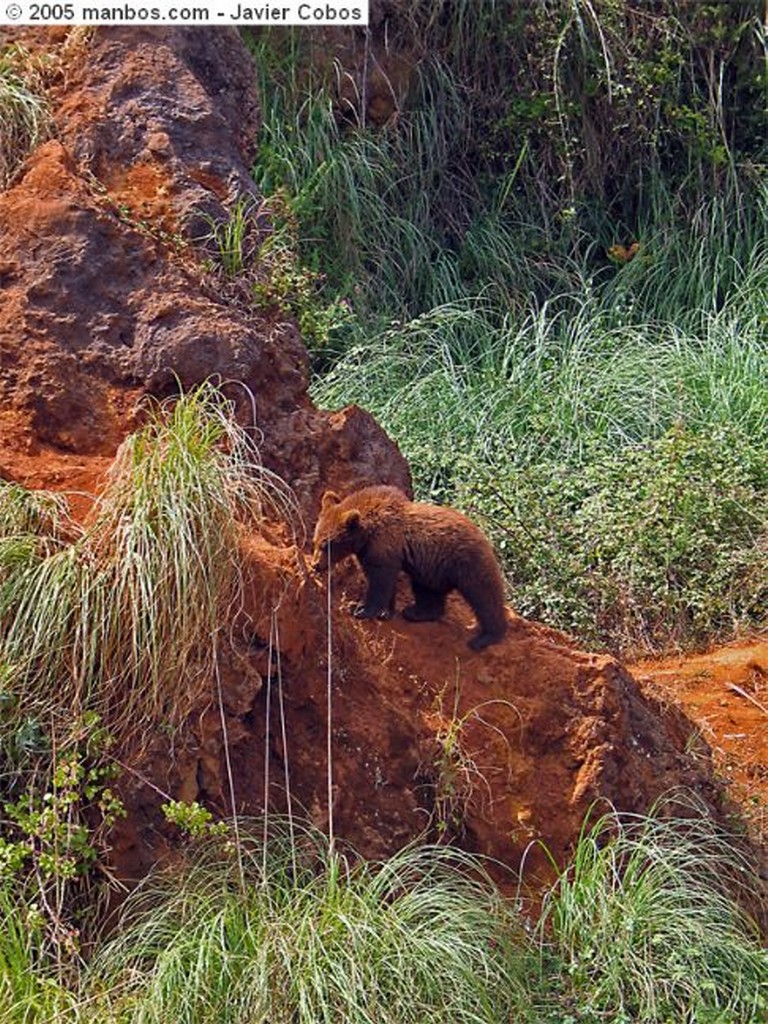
639, 928
25, 118
108, 619
505, 269
272, 922
98, 624
546, 274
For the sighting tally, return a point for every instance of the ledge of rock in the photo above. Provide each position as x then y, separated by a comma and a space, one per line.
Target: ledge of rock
102, 299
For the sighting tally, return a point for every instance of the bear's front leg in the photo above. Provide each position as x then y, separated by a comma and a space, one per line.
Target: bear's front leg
380, 599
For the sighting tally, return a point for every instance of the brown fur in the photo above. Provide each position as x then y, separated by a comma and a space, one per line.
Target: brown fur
439, 549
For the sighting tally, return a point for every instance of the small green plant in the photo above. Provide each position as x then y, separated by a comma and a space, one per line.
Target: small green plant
233, 237
458, 779
269, 264
194, 820
32, 990
293, 287
53, 831
296, 290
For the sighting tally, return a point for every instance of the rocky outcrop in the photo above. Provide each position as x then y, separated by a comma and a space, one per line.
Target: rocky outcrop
494, 751
103, 293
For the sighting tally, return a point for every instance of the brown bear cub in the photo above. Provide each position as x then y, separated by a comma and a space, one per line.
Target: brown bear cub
439, 549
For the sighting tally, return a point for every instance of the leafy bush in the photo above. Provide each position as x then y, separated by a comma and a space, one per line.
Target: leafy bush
56, 812
656, 545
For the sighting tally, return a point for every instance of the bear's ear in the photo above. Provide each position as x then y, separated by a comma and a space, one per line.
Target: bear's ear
330, 498
351, 519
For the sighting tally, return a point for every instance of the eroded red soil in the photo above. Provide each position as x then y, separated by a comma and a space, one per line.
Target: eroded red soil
725, 693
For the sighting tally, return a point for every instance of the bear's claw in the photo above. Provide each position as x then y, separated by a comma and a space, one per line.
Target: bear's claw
361, 612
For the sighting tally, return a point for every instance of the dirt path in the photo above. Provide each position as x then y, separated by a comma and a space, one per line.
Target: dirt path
725, 692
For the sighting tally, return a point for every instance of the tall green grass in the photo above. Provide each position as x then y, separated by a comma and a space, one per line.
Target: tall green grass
32, 991
646, 928
25, 118
313, 935
645, 924
641, 926
113, 621
486, 178
560, 381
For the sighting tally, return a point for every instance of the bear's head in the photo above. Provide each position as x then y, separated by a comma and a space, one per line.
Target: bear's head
339, 532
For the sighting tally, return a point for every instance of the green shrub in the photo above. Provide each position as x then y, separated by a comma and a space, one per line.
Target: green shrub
57, 808
657, 545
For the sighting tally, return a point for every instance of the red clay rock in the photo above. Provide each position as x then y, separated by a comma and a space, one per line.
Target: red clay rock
156, 129
491, 750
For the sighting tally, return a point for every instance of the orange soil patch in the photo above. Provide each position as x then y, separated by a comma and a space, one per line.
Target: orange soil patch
26, 460
725, 692
143, 193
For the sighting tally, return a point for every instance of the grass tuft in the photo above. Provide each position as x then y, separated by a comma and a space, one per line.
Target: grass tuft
645, 926
31, 990
25, 119
315, 936
125, 620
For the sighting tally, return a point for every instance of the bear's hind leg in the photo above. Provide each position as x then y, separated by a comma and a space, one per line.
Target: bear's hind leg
429, 605
487, 602
482, 640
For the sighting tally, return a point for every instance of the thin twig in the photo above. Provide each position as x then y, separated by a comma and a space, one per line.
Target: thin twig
329, 710
747, 696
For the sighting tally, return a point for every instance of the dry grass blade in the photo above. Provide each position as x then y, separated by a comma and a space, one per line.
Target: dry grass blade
24, 121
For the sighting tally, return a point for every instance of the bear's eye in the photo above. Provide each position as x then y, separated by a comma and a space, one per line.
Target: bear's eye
352, 521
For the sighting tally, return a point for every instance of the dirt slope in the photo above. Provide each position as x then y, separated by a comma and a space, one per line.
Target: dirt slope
104, 301
725, 693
